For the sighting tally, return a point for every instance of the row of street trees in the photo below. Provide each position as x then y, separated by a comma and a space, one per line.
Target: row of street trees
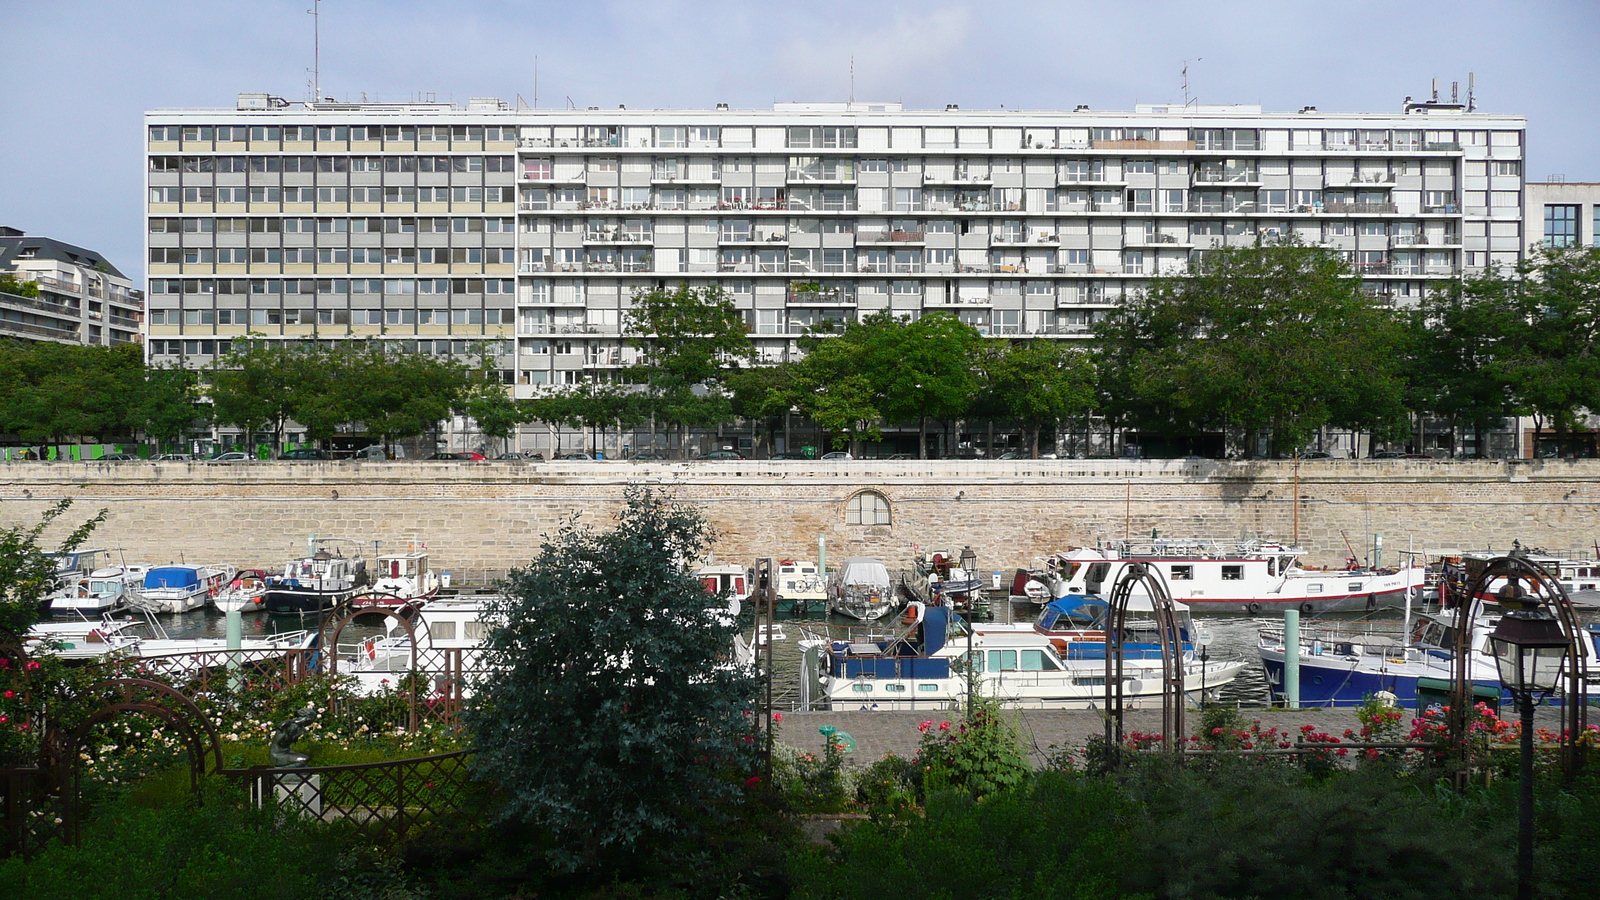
1275, 339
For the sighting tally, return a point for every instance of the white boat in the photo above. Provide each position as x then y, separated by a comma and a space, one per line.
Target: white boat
801, 586
101, 591
245, 593
179, 588
136, 638
1055, 662
942, 579
74, 564
1255, 577
399, 579
725, 579
862, 589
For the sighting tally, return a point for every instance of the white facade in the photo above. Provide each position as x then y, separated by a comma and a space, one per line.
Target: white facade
1563, 214
83, 298
444, 226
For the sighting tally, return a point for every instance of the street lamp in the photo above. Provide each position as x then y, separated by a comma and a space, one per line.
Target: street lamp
1529, 650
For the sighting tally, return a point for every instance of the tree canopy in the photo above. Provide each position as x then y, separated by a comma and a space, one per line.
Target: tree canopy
1276, 337
610, 712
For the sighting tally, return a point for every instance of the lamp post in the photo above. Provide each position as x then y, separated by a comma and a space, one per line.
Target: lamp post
1529, 650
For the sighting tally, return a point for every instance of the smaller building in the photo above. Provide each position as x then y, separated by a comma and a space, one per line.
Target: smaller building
1563, 214
82, 298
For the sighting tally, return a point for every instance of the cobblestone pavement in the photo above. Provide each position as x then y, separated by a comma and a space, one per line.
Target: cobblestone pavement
878, 732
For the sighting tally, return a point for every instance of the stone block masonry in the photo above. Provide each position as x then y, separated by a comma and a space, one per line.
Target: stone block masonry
480, 519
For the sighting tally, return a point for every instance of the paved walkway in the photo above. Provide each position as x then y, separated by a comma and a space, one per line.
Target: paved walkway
878, 733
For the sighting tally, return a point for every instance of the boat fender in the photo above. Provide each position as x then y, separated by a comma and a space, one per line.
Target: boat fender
372, 649
1253, 608
1307, 608
913, 613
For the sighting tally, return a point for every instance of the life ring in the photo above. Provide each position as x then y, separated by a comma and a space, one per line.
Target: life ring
372, 649
1307, 608
1252, 608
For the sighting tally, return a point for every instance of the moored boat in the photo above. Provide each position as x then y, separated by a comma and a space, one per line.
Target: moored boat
1254, 577
861, 589
801, 586
179, 588
401, 579
101, 591
324, 580
934, 657
245, 593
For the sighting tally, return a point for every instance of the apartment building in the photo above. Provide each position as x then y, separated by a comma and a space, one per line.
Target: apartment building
449, 226
83, 298
1563, 214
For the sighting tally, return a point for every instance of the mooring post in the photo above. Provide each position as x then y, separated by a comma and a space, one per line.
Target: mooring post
235, 641
1291, 658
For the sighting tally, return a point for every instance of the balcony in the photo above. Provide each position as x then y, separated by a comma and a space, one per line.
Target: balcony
959, 178
753, 237
1154, 240
890, 237
618, 236
1360, 209
820, 297
1364, 178
1445, 209
1152, 145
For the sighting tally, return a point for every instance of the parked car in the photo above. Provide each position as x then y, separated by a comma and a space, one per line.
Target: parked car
1013, 454
899, 456
115, 457
648, 456
787, 454
174, 457
1315, 454
378, 451
304, 453
459, 456
837, 455
232, 456
574, 455
513, 456
723, 454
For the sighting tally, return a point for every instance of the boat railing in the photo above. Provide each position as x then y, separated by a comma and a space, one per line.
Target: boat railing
1346, 639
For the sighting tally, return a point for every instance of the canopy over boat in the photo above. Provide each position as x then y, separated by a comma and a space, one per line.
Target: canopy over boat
171, 577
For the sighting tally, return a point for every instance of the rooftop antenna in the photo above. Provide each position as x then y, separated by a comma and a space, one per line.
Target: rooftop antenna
316, 50
1186, 80
852, 78
1435, 89
536, 81
1472, 80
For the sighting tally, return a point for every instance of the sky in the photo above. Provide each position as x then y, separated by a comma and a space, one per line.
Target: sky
81, 73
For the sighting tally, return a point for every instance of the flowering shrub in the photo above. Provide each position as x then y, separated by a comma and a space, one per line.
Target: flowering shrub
813, 781
981, 755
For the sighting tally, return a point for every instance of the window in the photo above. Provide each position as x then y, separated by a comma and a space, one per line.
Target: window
1183, 573
1233, 573
867, 508
1561, 225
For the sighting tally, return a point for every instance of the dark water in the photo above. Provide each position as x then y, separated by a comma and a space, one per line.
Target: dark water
212, 624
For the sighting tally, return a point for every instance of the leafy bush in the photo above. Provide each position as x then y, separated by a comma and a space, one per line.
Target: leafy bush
811, 782
982, 755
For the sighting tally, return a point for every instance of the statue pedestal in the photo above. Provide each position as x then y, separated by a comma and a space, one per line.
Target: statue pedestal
294, 792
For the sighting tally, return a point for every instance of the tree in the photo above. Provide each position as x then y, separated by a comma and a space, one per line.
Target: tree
167, 403
1458, 337
1276, 337
28, 571
610, 713
397, 395
761, 393
1038, 383
1549, 357
490, 404
690, 339
254, 386
923, 369
11, 284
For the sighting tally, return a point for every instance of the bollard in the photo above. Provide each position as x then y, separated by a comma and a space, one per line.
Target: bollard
822, 555
1291, 658
235, 641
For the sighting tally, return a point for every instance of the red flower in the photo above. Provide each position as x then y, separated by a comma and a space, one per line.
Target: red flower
31, 666
10, 694
777, 717
944, 726
752, 781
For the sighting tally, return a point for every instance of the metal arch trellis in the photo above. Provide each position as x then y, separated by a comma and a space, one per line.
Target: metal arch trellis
143, 697
1170, 638
1513, 570
405, 621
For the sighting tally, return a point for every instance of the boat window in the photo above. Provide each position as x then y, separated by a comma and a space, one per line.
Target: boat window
476, 631
1037, 661
1002, 660
1353, 586
861, 688
894, 687
927, 687
1097, 572
442, 631
975, 660
1233, 573
1314, 588
1090, 682
1183, 573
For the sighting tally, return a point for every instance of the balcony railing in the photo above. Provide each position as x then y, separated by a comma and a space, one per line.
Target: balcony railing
1360, 208
890, 237
834, 297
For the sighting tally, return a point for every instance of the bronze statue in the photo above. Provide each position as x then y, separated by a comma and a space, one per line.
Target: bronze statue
279, 751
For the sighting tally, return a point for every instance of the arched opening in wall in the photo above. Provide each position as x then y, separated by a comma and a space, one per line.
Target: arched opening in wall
868, 508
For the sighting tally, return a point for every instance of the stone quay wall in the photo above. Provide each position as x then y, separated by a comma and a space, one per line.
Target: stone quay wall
480, 519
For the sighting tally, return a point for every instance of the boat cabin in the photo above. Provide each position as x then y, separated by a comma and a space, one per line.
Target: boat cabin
402, 565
